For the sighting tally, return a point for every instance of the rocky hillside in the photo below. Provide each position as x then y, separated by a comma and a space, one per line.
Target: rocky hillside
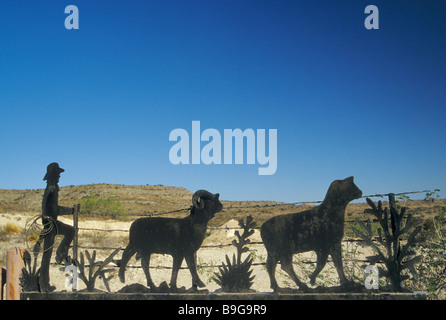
154, 199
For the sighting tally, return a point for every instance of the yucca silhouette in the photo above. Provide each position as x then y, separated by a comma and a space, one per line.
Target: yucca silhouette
236, 276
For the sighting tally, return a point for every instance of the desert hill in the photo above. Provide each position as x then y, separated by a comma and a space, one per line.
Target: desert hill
146, 200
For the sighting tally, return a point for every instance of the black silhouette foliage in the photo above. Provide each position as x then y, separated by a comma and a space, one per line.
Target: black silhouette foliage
29, 279
96, 269
236, 276
389, 248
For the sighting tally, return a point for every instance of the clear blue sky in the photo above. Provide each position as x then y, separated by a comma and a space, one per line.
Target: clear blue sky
345, 101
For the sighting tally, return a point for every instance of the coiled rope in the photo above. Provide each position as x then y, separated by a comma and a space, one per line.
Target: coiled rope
35, 225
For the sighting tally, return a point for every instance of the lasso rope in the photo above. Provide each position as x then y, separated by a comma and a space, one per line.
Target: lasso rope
33, 227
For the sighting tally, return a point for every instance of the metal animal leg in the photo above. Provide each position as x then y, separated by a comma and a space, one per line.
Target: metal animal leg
287, 266
177, 260
128, 253
336, 254
322, 257
271, 263
192, 264
145, 263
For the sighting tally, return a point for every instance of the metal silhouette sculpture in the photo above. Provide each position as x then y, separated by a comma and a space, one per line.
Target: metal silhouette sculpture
50, 211
319, 229
179, 237
236, 276
397, 257
95, 269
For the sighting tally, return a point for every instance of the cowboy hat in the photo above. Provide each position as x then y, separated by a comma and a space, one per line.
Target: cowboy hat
52, 170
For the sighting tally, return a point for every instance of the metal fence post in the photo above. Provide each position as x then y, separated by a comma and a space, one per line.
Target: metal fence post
3, 282
14, 266
76, 231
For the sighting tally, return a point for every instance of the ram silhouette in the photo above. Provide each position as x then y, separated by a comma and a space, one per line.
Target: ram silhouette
179, 237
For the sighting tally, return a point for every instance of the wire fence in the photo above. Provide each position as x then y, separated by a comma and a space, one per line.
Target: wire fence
76, 214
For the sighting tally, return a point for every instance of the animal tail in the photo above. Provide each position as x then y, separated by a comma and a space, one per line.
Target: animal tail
128, 253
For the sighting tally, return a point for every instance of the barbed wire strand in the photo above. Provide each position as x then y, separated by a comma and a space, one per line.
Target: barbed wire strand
237, 207
152, 214
221, 265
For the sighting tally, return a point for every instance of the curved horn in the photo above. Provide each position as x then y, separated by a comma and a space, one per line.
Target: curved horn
200, 194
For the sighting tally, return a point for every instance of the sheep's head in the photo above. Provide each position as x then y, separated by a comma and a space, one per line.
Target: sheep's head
207, 203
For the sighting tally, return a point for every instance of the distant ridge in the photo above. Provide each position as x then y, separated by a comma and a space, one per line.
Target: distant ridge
147, 199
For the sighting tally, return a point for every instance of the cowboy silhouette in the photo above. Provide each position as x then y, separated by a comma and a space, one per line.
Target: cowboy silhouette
50, 211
